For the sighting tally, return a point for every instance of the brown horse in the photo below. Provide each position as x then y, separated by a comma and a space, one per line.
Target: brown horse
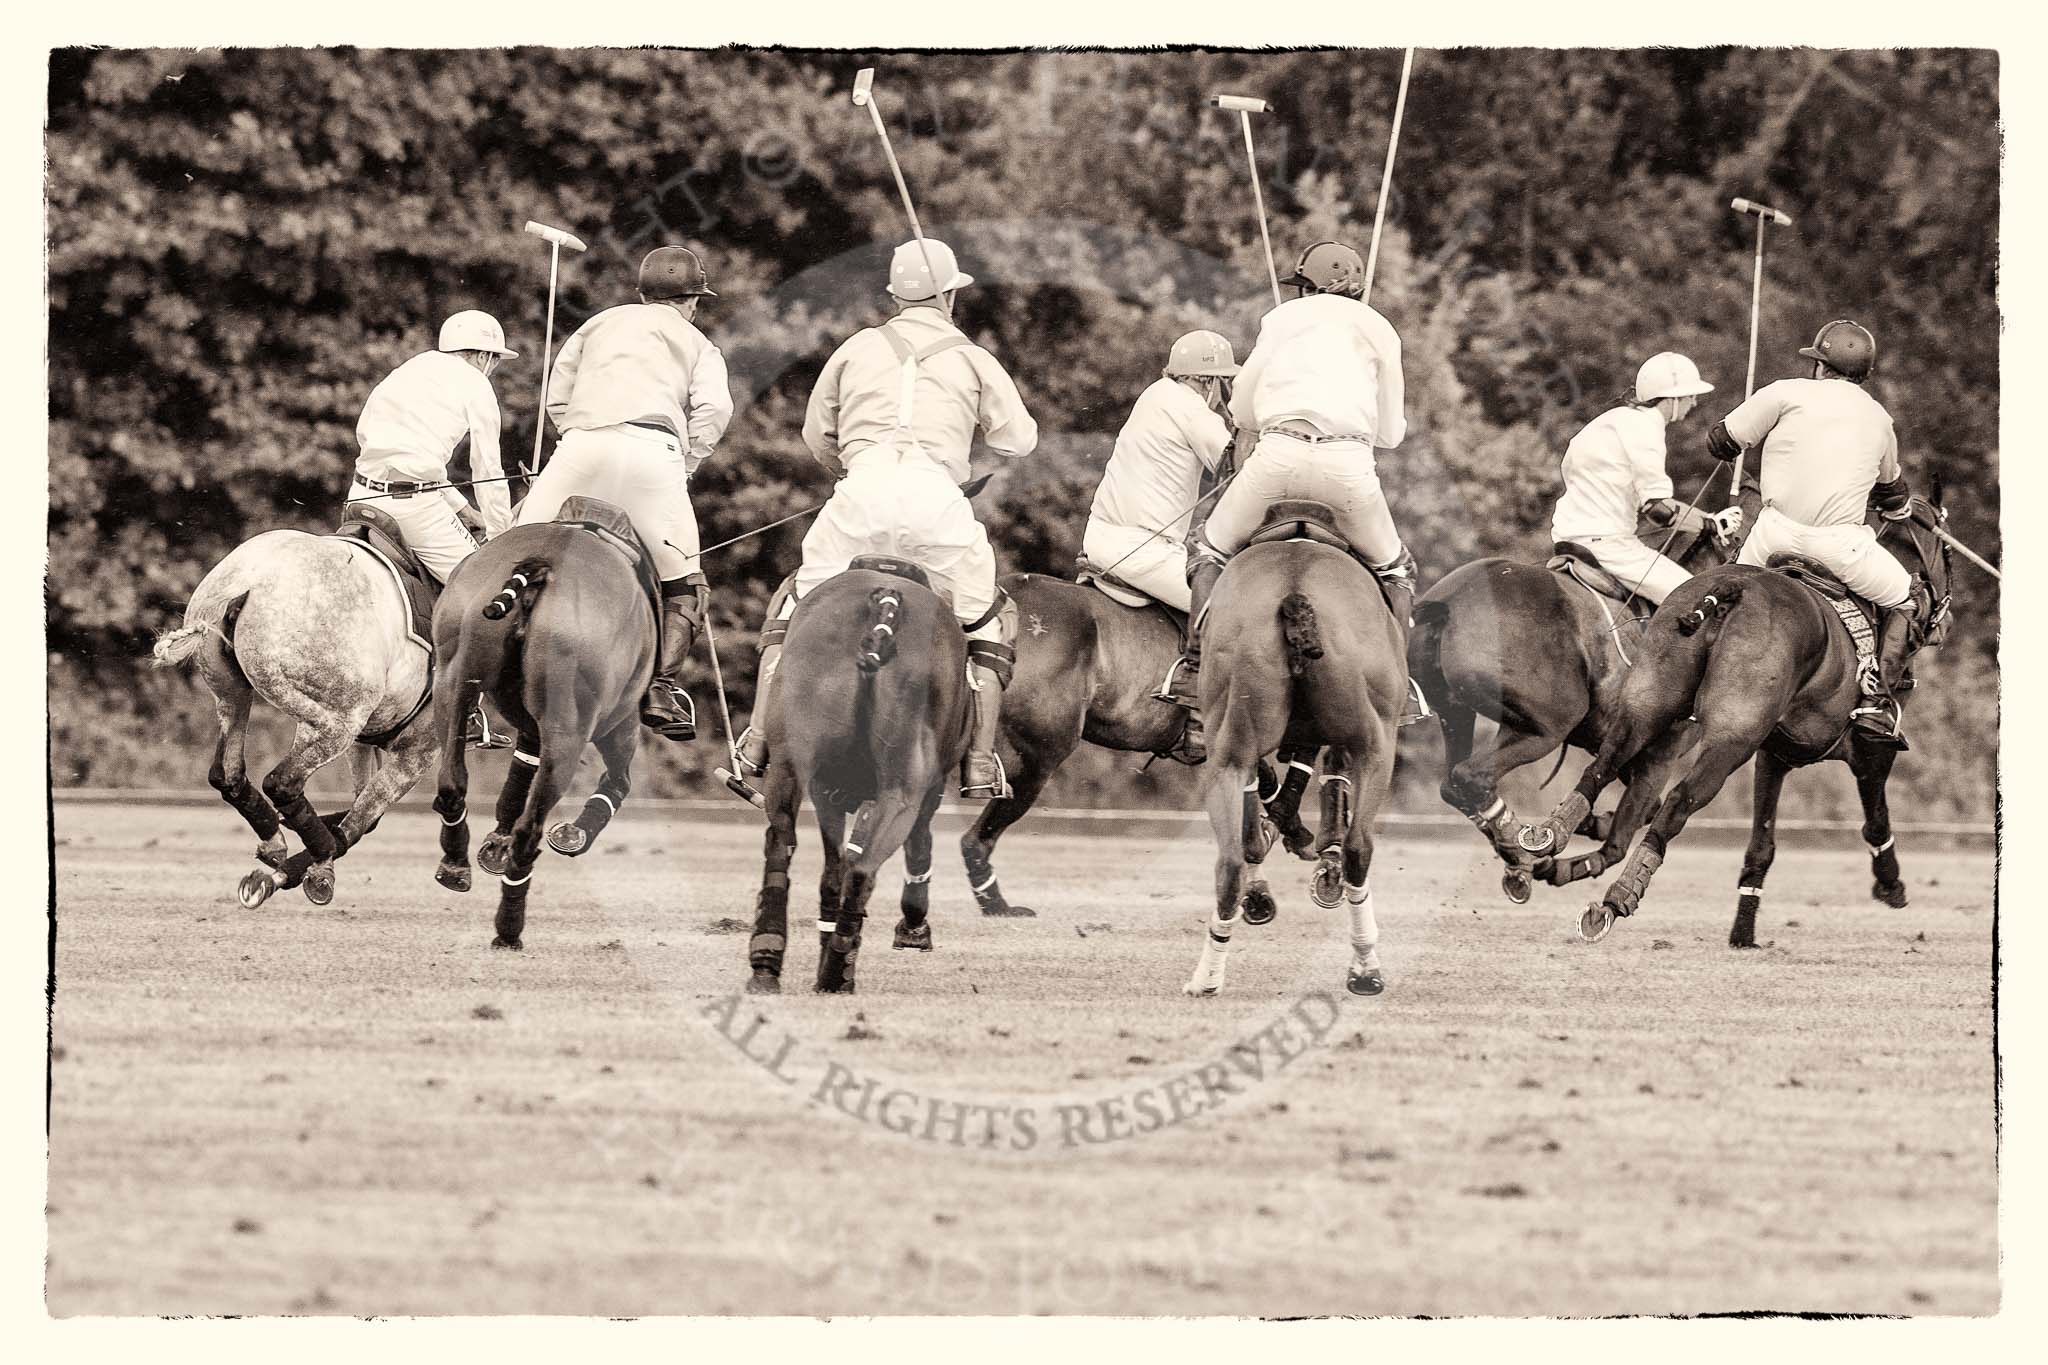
1542, 656
1300, 649
1087, 669
1767, 667
871, 716
555, 622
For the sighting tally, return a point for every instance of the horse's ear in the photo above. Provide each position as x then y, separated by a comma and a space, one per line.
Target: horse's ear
1935, 490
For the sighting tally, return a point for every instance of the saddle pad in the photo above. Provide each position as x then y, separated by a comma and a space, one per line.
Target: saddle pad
1110, 586
415, 589
1574, 564
610, 524
1809, 571
1856, 614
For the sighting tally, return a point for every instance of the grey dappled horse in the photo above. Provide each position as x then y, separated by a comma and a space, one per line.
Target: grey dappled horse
1300, 649
871, 716
317, 628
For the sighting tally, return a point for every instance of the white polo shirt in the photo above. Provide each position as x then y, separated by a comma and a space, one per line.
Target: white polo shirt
1611, 468
416, 417
642, 362
1155, 470
1826, 442
1329, 361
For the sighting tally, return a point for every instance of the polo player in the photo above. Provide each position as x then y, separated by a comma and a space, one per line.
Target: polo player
414, 419
1322, 389
641, 399
1614, 475
1138, 525
893, 414
1829, 451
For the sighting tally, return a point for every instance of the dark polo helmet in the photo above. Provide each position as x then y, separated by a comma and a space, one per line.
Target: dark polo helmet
1329, 268
673, 272
1845, 347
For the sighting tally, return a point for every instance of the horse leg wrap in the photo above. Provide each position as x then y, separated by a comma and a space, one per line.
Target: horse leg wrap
518, 783
1626, 895
1556, 828
1336, 805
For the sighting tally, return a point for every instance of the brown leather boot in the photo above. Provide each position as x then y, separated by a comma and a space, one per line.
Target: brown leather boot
1182, 685
1878, 718
981, 771
666, 708
751, 753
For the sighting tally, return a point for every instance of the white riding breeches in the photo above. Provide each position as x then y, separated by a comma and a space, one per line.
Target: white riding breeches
433, 532
1851, 552
636, 469
1339, 473
1146, 560
905, 505
1638, 567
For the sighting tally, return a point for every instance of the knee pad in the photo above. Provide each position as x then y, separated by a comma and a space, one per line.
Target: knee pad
781, 606
992, 641
690, 594
1201, 552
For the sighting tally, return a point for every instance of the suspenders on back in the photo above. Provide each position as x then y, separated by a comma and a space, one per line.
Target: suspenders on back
908, 360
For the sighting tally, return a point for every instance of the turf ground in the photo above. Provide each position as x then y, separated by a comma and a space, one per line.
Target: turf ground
362, 1109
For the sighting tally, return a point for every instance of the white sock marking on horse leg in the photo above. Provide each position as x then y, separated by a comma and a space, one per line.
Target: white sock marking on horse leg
1365, 926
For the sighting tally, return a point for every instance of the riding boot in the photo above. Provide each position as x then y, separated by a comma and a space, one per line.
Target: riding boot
989, 666
666, 708
751, 753
1877, 719
1397, 584
1181, 686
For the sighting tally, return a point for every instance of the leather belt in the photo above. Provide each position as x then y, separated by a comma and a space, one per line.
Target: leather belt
403, 488
1304, 432
657, 427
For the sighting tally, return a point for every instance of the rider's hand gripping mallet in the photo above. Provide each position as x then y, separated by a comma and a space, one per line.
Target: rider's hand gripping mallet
556, 239
1379, 215
864, 98
1764, 214
1246, 106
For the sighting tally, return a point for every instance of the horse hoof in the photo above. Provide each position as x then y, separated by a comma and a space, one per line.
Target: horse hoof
255, 889
512, 944
843, 988
764, 983
566, 839
1365, 981
1742, 942
454, 876
1326, 887
1005, 910
1893, 895
1598, 919
1536, 839
1516, 884
493, 854
919, 938
1259, 907
1201, 990
319, 885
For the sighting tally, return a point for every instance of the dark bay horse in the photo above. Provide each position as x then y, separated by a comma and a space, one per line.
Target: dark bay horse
1543, 657
1087, 668
555, 623
318, 628
871, 716
1300, 649
1768, 669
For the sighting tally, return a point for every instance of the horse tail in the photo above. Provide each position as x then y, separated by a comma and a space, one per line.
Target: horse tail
179, 645
1711, 609
520, 590
878, 645
1304, 637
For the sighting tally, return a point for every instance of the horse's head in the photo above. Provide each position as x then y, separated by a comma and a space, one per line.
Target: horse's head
1924, 554
1699, 550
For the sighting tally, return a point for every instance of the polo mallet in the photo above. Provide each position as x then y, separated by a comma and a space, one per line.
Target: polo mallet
1967, 553
1379, 214
556, 239
1246, 106
1764, 214
864, 98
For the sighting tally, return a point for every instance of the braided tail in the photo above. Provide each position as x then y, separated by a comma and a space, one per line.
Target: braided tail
878, 645
519, 591
1712, 607
1298, 626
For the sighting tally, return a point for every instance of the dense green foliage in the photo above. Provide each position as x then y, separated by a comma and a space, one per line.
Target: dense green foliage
242, 243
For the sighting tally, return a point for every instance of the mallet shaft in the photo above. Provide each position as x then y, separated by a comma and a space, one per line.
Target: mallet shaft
547, 351
1967, 553
1379, 216
1258, 195
863, 95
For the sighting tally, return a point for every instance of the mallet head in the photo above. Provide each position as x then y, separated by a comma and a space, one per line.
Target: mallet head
1763, 211
555, 235
1243, 103
863, 86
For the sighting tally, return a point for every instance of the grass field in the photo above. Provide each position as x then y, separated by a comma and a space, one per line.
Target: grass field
363, 1110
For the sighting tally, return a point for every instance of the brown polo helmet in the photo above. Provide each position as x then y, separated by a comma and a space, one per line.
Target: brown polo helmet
673, 272
1845, 347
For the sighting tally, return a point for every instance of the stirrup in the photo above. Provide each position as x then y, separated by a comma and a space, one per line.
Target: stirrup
747, 766
1419, 711
987, 791
1169, 691
478, 734
1879, 720
681, 726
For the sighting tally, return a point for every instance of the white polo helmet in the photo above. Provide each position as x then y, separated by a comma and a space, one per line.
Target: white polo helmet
473, 331
1668, 374
1201, 353
911, 280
